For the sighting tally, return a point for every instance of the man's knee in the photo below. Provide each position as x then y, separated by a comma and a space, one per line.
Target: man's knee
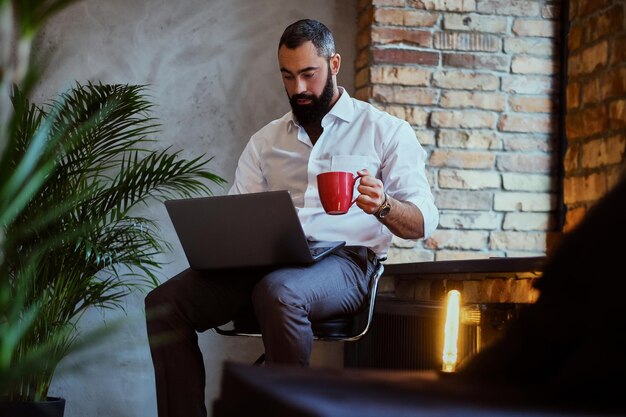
270, 295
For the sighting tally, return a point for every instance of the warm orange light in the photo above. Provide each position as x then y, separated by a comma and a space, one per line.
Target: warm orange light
451, 331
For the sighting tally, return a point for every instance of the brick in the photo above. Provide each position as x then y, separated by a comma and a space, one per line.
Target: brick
529, 84
467, 41
425, 137
468, 139
365, 19
573, 217
404, 95
476, 61
445, 5
363, 59
453, 255
607, 22
466, 81
589, 121
509, 7
575, 37
362, 78
551, 11
533, 104
467, 99
461, 159
510, 240
400, 75
573, 9
572, 155
475, 22
524, 202
593, 90
529, 182
587, 7
470, 220
595, 57
463, 200
534, 46
530, 27
526, 142
458, 239
603, 151
574, 65
529, 221
402, 243
404, 56
617, 114
614, 175
615, 83
363, 94
413, 115
573, 95
463, 119
405, 36
468, 179
618, 52
364, 39
584, 188
527, 123
391, 3
531, 163
406, 18
533, 65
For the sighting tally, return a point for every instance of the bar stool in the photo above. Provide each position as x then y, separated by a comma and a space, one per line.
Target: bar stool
341, 328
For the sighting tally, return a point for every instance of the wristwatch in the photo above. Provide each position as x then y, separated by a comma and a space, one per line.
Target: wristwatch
384, 209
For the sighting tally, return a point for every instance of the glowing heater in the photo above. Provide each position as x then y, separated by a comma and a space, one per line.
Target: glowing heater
451, 331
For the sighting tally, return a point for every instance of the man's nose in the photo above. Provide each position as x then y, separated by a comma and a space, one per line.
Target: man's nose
300, 86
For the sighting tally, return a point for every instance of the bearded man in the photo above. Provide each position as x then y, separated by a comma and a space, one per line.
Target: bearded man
326, 130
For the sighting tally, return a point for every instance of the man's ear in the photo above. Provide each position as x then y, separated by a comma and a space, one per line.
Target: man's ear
335, 63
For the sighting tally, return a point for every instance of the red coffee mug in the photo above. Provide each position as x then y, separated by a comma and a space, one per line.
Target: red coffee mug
336, 189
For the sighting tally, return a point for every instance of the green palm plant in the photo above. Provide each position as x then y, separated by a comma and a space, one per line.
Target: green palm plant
97, 248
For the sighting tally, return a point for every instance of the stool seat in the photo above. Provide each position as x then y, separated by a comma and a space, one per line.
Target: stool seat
344, 327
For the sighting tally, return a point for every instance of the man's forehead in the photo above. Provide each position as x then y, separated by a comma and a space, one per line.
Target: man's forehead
303, 56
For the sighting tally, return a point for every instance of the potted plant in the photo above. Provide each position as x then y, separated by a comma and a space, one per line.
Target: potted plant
72, 174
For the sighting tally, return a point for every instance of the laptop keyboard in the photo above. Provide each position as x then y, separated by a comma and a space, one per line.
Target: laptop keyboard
318, 250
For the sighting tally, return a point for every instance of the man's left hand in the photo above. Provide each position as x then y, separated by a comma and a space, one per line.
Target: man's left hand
372, 194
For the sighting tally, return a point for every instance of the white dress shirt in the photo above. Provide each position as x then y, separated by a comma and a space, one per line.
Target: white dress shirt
356, 135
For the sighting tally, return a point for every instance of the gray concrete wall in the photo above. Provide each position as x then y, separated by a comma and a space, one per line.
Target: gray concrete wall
212, 72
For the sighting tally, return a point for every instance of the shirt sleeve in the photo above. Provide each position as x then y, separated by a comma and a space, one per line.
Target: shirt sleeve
404, 175
249, 173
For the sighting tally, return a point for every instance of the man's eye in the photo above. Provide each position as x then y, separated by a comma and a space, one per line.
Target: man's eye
287, 77
308, 74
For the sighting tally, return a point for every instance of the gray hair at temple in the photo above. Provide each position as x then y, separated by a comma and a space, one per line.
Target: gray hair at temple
309, 30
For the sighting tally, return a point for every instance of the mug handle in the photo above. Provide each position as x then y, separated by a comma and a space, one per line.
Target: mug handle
354, 179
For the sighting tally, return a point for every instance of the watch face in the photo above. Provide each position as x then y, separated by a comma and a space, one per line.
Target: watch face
384, 211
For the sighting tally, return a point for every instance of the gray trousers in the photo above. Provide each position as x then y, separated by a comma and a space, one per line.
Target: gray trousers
285, 301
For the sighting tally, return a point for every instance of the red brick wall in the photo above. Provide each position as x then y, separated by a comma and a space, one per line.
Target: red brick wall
478, 81
596, 103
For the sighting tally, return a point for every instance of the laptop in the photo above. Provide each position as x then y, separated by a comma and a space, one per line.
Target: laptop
243, 230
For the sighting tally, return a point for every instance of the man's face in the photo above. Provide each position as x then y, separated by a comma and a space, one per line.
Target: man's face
308, 81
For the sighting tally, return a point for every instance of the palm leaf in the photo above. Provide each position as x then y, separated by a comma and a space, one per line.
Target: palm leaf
96, 250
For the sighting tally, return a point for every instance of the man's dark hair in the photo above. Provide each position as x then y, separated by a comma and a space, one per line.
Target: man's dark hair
309, 30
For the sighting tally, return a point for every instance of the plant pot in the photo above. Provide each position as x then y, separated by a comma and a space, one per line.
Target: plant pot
52, 407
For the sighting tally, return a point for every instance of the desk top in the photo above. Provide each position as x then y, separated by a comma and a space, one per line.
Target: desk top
468, 266
284, 391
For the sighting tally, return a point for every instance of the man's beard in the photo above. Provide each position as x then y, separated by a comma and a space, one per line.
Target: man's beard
319, 106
